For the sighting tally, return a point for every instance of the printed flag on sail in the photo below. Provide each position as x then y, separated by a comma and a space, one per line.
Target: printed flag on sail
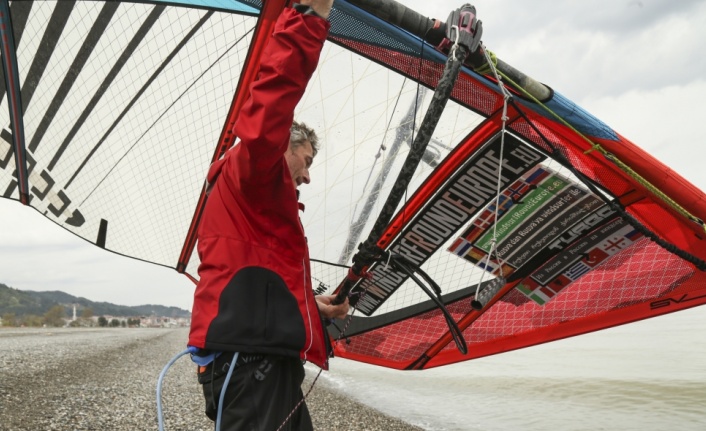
547, 219
484, 223
578, 259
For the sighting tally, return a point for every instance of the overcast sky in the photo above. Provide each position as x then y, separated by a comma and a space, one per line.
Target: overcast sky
637, 65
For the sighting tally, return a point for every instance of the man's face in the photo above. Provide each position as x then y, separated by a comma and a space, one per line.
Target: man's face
299, 161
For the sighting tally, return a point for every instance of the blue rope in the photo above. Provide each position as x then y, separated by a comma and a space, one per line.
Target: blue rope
160, 418
223, 391
192, 350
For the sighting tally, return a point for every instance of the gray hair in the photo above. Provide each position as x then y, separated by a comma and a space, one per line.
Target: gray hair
299, 133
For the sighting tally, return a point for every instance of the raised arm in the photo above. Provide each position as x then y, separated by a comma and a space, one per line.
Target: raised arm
288, 62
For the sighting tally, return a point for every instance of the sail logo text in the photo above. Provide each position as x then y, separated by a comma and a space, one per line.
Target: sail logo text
43, 186
583, 226
472, 187
676, 300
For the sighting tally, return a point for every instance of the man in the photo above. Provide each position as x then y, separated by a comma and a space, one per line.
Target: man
255, 296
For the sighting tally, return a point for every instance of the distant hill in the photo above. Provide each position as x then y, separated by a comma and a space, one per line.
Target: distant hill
25, 302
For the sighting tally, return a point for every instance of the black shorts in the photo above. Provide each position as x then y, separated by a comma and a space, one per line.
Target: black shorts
262, 393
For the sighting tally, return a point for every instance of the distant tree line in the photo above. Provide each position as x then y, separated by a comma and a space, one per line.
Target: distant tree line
29, 306
56, 317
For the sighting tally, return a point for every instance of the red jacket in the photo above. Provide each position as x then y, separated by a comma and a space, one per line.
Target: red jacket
255, 293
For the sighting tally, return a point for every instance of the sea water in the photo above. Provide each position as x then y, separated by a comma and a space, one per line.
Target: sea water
646, 376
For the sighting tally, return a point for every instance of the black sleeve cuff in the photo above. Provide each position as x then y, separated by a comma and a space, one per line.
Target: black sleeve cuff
305, 10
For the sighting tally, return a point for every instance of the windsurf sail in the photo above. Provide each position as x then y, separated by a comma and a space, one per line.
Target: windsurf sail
536, 220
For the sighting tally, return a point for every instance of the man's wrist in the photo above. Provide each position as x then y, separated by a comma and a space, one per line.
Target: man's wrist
306, 10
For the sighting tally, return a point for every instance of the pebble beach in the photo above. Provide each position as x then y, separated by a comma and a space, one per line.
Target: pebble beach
105, 379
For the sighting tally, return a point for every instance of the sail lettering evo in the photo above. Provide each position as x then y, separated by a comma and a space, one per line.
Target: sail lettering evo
468, 191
